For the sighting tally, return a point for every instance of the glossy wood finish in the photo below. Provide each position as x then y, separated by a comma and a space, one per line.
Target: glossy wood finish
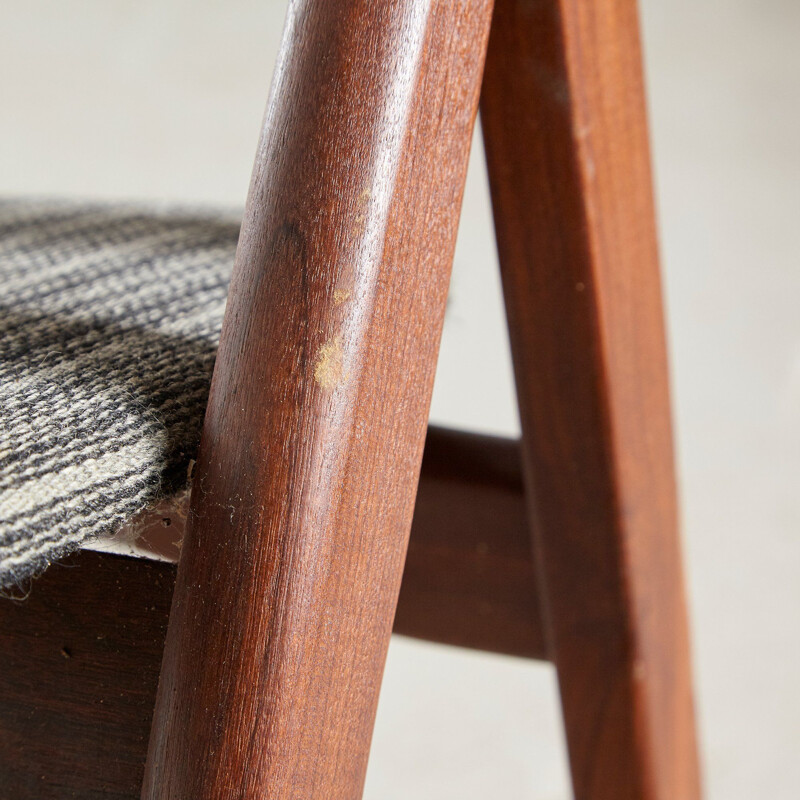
469, 578
314, 431
566, 140
295, 543
81, 653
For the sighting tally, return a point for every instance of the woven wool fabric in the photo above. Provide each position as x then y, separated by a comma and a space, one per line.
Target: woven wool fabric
109, 322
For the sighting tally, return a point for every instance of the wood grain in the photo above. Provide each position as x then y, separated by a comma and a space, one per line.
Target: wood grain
314, 431
469, 578
566, 141
81, 653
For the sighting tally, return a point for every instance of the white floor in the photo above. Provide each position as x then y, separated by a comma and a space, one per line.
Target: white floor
163, 99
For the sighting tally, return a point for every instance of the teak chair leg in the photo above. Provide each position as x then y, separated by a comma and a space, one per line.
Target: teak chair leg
304, 486
566, 140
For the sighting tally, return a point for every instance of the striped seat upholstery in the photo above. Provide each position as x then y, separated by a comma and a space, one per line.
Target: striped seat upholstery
109, 321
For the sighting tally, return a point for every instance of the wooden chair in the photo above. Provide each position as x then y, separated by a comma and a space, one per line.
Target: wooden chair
294, 549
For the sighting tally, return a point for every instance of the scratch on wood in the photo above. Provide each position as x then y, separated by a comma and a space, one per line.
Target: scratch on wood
361, 216
328, 371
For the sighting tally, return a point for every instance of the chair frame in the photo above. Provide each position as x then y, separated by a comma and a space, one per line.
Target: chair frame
304, 488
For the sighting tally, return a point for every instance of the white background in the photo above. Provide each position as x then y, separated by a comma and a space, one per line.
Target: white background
163, 99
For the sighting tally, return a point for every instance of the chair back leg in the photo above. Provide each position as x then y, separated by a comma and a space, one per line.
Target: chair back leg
566, 139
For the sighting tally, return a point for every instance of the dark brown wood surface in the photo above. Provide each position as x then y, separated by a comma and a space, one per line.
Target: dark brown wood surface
313, 438
303, 493
81, 652
79, 663
469, 578
566, 140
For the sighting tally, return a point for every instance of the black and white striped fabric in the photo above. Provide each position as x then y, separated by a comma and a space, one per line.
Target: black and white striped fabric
109, 321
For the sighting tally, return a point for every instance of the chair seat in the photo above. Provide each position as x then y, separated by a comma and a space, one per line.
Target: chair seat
109, 322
